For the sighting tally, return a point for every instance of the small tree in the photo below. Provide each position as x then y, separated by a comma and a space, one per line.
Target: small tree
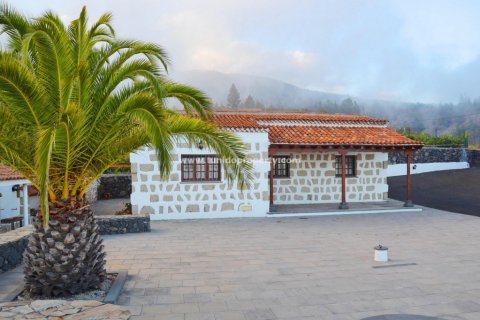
259, 105
249, 102
233, 99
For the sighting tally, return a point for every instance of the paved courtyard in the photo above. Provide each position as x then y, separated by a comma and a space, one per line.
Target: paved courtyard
293, 268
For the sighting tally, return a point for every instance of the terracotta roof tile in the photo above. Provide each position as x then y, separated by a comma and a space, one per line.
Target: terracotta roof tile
316, 128
339, 136
250, 120
7, 173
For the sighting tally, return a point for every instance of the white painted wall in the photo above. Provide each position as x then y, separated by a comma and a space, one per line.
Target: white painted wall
416, 168
9, 202
174, 199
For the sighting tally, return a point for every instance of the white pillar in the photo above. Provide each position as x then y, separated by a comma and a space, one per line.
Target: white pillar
25, 205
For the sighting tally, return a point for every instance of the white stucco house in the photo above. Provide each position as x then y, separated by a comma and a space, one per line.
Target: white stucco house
17, 195
298, 158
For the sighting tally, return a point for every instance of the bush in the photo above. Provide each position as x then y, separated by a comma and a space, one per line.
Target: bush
446, 140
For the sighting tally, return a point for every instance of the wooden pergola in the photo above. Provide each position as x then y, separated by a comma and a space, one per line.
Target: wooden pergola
343, 150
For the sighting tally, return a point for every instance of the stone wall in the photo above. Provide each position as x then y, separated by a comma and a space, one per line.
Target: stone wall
117, 185
434, 155
12, 245
474, 157
123, 224
312, 179
174, 199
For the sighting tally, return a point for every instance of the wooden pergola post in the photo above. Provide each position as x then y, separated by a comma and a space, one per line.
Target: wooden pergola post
343, 204
408, 199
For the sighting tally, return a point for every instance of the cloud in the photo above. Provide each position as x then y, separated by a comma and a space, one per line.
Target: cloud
301, 59
399, 49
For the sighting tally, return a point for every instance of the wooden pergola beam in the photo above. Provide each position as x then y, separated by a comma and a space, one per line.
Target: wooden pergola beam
342, 150
276, 148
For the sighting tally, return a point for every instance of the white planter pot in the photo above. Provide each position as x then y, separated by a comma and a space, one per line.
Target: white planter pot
381, 253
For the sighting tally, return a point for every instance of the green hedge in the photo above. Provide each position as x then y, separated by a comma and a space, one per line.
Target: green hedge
446, 140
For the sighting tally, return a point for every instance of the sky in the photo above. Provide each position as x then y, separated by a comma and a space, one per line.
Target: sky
401, 50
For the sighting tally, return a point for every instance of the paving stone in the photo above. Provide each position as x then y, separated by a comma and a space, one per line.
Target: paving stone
141, 300
62, 309
286, 312
184, 308
229, 315
316, 267
197, 297
199, 316
151, 310
168, 299
259, 314
216, 306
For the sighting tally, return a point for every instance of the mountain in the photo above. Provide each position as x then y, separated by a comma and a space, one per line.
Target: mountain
268, 91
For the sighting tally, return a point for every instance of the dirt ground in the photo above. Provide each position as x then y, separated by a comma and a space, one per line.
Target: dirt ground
453, 190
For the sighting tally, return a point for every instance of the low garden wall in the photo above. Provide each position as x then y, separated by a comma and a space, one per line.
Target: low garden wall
123, 224
13, 243
115, 186
437, 155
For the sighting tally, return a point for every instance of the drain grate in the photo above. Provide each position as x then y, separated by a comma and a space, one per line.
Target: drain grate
396, 265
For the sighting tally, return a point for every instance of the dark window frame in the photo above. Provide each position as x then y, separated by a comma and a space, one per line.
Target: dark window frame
351, 166
196, 164
282, 171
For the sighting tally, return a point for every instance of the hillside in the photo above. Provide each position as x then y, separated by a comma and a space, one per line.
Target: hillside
454, 118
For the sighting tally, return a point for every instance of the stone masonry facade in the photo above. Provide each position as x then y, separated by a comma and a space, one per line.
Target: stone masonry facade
176, 199
312, 179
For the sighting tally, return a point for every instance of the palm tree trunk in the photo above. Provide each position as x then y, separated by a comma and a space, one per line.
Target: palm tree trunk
68, 258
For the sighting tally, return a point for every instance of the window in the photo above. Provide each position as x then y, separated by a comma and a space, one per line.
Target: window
281, 167
350, 166
200, 168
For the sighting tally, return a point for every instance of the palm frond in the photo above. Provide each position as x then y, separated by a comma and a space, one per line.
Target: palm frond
75, 99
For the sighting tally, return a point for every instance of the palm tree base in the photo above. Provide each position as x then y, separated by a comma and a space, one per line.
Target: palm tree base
68, 257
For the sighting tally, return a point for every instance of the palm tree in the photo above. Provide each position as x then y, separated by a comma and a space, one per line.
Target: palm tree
75, 99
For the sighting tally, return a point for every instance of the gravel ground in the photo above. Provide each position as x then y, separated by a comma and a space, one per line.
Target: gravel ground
453, 190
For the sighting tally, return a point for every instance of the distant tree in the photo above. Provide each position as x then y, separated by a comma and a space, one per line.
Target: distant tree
415, 117
444, 116
233, 99
259, 105
249, 102
349, 106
